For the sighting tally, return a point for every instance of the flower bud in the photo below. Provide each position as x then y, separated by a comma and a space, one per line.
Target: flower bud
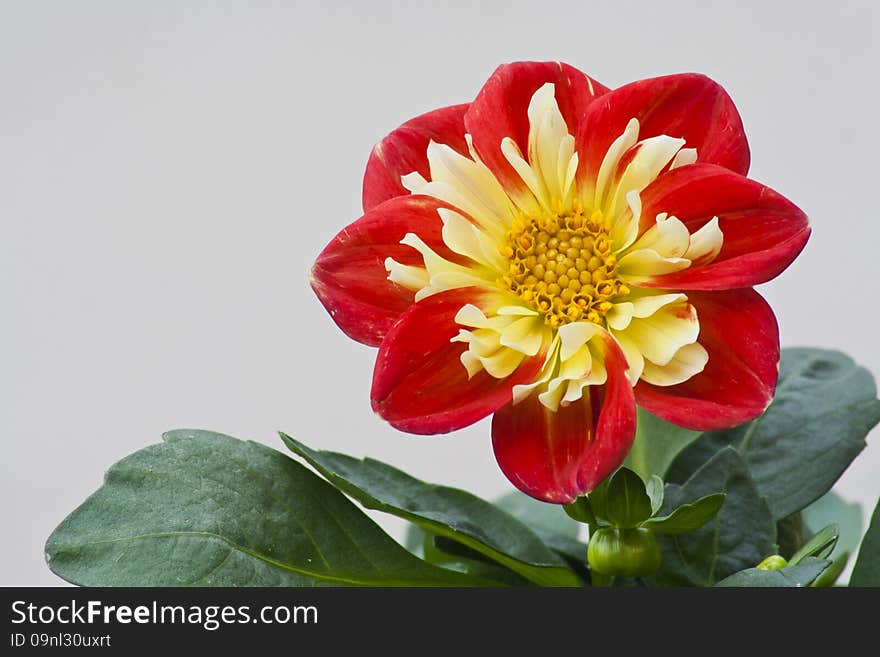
773, 562
630, 552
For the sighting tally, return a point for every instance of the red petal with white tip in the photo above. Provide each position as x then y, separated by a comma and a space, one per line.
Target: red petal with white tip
739, 330
349, 275
501, 110
687, 105
556, 456
404, 151
419, 382
763, 231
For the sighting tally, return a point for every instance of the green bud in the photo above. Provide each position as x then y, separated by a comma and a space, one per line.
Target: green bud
773, 562
632, 552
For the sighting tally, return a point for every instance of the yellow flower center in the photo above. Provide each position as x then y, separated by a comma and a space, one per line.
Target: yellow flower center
562, 265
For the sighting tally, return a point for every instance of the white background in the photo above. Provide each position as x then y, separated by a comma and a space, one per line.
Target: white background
169, 171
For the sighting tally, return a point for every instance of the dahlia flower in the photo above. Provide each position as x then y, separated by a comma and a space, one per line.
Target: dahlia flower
555, 253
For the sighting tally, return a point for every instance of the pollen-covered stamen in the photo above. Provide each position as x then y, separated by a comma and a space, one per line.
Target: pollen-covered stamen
562, 265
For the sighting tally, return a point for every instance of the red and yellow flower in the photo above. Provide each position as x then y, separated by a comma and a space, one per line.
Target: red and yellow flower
556, 252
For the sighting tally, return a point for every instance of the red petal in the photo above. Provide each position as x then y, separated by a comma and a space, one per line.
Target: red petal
763, 231
404, 151
555, 457
501, 110
687, 105
739, 330
419, 382
349, 275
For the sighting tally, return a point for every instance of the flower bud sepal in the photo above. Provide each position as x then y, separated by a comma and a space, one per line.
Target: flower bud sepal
623, 514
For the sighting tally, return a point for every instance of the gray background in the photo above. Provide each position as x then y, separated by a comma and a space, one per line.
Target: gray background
168, 172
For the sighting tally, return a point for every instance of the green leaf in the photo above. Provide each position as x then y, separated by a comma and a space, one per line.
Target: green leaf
598, 500
831, 508
740, 535
425, 546
626, 504
551, 524
572, 550
656, 445
867, 569
824, 407
204, 509
454, 555
820, 546
802, 574
535, 514
687, 517
581, 511
443, 511
833, 572
655, 491
828, 509
414, 540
